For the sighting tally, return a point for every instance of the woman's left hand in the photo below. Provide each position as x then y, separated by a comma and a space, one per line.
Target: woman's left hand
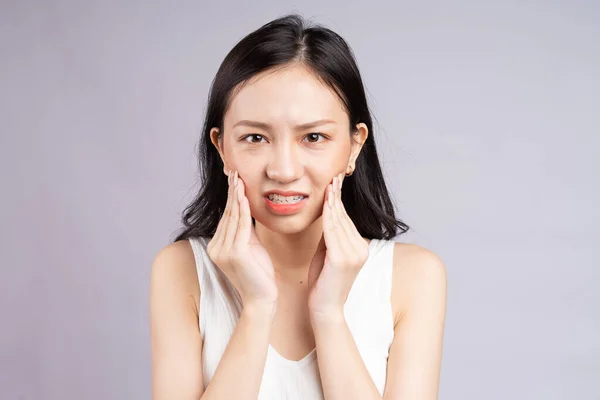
341, 254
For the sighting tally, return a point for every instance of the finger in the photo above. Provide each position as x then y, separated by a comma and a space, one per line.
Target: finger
234, 212
334, 206
245, 220
340, 182
351, 231
352, 236
335, 209
329, 228
338, 218
341, 210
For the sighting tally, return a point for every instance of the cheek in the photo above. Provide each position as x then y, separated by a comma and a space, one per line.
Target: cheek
238, 161
249, 171
251, 178
324, 172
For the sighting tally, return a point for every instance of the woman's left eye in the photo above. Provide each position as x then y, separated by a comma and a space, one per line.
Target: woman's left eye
314, 137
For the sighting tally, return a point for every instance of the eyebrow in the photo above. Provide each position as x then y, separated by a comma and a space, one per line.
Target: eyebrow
265, 126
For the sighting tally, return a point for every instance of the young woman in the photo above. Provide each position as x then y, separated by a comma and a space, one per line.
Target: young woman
286, 282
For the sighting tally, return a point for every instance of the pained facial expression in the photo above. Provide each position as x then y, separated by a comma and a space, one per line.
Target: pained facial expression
287, 131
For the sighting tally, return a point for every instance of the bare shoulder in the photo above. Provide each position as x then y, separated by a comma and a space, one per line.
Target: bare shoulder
174, 272
175, 337
419, 276
414, 261
179, 251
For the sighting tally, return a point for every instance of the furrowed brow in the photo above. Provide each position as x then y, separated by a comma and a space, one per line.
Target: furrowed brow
267, 127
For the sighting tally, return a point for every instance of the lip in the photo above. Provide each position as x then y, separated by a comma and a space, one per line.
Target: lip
286, 208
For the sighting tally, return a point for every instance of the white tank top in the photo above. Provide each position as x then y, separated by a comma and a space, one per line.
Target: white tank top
367, 310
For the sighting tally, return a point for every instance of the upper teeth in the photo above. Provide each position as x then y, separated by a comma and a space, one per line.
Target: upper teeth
284, 199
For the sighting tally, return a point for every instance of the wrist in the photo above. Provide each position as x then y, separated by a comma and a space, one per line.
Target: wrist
260, 309
327, 317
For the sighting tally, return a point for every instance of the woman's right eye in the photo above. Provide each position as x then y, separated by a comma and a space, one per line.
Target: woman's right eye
254, 138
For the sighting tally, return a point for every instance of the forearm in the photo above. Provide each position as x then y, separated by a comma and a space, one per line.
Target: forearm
344, 375
240, 370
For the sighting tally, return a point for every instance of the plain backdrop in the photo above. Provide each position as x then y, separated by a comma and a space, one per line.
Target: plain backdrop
488, 126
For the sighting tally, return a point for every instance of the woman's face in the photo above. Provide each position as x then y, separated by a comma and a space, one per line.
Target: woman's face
286, 131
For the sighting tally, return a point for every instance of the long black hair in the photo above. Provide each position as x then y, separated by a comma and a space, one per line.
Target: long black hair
281, 42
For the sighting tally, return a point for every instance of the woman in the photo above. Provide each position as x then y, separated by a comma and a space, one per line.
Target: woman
286, 282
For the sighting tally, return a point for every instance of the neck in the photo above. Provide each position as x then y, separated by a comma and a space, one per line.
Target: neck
291, 254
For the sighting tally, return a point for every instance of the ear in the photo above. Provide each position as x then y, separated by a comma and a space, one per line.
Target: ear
217, 140
359, 137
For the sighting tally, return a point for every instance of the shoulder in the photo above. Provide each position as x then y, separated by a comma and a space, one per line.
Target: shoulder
419, 276
174, 273
416, 262
175, 338
175, 258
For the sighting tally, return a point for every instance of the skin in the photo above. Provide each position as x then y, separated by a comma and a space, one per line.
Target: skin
286, 159
315, 254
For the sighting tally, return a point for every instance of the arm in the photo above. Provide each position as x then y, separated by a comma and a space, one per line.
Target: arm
414, 362
415, 353
344, 375
239, 373
176, 341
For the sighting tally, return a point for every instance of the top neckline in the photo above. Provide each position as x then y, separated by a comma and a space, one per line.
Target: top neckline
311, 355
308, 358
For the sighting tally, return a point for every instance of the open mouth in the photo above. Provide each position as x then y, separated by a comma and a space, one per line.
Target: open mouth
279, 199
285, 205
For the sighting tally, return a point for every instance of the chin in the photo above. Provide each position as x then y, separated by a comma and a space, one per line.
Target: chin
287, 224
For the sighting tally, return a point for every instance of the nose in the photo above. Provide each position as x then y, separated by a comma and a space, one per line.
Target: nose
284, 164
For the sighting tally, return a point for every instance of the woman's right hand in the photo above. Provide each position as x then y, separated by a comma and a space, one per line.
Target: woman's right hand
236, 250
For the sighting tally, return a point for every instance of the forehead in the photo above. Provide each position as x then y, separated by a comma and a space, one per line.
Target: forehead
291, 95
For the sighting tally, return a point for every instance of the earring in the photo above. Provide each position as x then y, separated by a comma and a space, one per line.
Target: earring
351, 171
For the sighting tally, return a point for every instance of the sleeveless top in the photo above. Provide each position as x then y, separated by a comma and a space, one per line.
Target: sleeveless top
368, 313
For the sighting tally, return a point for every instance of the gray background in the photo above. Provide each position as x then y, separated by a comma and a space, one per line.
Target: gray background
488, 127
